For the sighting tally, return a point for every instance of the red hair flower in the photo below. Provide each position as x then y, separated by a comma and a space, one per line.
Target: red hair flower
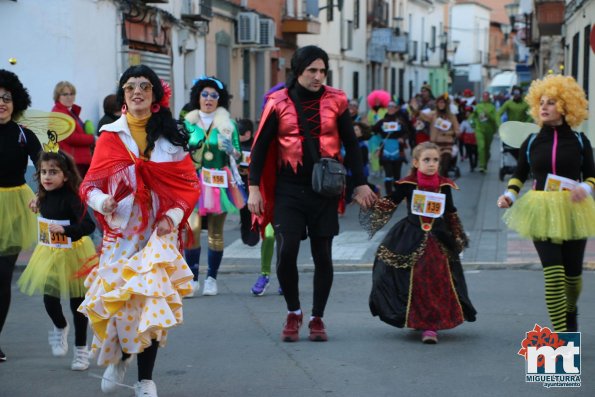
166, 94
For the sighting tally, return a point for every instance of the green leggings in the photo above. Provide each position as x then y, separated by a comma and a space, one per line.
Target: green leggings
266, 249
484, 142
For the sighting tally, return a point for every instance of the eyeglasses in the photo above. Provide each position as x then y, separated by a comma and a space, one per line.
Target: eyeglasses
6, 98
145, 86
67, 94
213, 95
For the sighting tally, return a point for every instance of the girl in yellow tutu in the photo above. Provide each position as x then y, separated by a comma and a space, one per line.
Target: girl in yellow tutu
558, 214
17, 146
64, 247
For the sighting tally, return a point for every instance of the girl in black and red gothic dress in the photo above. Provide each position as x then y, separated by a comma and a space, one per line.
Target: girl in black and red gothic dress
418, 279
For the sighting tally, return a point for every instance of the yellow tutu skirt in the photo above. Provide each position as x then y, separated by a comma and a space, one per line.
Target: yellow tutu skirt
18, 224
539, 215
132, 301
52, 270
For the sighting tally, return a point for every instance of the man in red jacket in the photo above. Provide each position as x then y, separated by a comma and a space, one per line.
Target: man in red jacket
281, 180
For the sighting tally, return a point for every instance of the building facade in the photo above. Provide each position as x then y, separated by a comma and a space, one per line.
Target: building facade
91, 42
471, 29
579, 39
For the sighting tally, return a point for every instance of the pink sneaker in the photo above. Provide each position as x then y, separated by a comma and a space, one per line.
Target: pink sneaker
429, 337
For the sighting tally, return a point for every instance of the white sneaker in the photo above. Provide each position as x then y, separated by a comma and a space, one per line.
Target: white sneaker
114, 374
145, 388
58, 339
210, 288
80, 362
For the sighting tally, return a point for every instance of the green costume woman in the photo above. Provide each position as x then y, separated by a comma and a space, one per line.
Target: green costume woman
486, 123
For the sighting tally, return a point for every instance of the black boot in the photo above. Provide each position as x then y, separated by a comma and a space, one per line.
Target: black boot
571, 323
388, 186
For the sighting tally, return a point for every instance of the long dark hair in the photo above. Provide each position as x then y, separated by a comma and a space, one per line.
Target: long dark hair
446, 111
161, 123
66, 163
211, 82
20, 96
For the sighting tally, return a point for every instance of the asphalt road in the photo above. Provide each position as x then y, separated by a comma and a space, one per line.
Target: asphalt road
229, 345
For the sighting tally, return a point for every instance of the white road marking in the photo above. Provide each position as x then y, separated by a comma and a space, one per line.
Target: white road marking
238, 249
354, 244
350, 245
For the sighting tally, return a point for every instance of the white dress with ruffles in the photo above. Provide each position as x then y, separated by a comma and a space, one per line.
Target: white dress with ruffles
135, 294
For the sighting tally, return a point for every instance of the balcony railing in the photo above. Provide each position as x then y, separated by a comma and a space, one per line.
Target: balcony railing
378, 13
550, 17
300, 16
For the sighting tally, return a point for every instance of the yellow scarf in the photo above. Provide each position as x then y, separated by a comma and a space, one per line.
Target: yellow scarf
138, 131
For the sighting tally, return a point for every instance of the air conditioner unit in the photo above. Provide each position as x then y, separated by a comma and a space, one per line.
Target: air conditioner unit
347, 36
267, 32
197, 10
248, 31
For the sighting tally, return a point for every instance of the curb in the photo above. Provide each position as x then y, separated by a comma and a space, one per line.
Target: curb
354, 267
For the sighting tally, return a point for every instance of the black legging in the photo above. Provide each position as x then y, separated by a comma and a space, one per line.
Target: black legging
445, 163
54, 310
471, 151
7, 263
392, 173
288, 245
145, 361
569, 253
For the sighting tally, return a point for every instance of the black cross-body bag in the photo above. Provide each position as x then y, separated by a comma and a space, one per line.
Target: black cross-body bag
328, 174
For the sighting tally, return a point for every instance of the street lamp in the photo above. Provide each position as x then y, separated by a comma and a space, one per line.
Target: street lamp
512, 10
398, 21
450, 52
506, 29
455, 45
443, 37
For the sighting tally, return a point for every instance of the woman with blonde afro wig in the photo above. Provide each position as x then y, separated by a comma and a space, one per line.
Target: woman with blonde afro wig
558, 214
570, 98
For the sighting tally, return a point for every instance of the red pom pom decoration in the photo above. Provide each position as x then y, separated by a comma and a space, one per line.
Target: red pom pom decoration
166, 94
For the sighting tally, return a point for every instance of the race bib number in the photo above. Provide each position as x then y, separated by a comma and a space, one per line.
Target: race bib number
214, 178
442, 124
428, 203
419, 125
246, 157
555, 183
391, 126
46, 237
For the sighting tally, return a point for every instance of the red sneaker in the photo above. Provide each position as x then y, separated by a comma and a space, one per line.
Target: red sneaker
317, 331
292, 328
